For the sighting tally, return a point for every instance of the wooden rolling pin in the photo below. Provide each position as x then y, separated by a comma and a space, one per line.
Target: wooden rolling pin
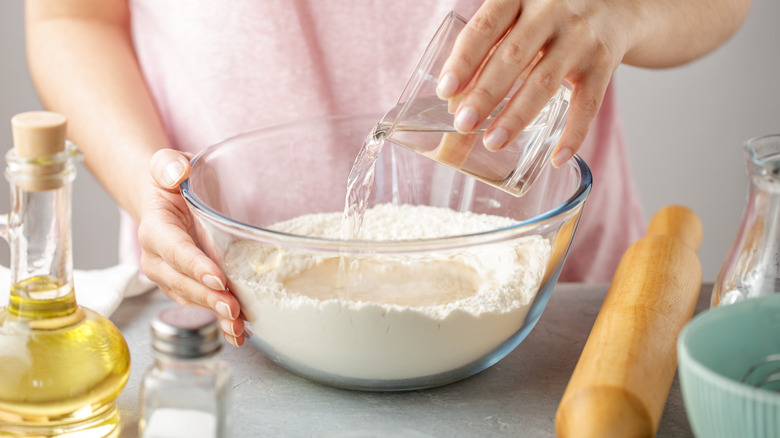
620, 384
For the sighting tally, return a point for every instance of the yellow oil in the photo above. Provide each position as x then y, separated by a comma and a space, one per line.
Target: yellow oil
61, 366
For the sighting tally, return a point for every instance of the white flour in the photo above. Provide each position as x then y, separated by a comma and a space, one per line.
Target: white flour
400, 317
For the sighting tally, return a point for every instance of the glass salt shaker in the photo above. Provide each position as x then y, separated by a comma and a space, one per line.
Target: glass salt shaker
185, 392
752, 266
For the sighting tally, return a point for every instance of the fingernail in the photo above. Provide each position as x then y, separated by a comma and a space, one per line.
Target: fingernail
173, 172
495, 139
230, 339
224, 310
561, 157
213, 282
447, 86
466, 120
227, 327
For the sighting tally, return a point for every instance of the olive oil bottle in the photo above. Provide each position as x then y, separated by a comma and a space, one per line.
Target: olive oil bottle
62, 366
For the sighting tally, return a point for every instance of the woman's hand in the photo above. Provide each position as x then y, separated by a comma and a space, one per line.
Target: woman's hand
548, 42
170, 256
120, 137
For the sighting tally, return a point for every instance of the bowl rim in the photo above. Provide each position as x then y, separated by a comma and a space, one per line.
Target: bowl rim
703, 372
568, 208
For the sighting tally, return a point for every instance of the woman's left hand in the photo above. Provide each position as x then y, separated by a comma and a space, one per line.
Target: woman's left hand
546, 42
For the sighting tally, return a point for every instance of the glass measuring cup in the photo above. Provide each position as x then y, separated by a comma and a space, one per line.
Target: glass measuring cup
422, 122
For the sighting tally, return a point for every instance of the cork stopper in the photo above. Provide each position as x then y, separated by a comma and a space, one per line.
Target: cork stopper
37, 135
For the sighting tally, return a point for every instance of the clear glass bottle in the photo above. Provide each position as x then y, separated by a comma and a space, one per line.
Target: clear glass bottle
61, 365
185, 392
752, 265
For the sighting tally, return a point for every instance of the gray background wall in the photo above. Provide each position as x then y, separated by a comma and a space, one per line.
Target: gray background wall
685, 127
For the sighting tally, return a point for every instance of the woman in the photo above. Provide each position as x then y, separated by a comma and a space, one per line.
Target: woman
146, 81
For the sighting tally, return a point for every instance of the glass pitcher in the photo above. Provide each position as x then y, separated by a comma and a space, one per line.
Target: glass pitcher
752, 266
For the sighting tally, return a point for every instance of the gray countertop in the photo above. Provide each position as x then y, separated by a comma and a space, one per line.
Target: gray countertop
518, 396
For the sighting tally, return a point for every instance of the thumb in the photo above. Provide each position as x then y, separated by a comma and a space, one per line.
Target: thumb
169, 168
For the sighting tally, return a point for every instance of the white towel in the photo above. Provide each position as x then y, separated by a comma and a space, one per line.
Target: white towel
101, 290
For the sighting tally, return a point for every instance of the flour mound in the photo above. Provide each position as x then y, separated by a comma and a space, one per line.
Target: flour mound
387, 316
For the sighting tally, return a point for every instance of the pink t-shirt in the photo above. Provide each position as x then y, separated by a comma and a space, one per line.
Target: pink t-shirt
216, 69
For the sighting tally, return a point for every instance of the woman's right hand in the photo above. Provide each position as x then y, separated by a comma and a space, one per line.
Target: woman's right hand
171, 258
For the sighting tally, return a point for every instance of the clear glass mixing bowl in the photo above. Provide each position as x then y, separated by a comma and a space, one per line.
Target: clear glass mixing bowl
399, 313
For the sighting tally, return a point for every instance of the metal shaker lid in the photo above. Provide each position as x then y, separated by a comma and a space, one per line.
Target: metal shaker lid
186, 332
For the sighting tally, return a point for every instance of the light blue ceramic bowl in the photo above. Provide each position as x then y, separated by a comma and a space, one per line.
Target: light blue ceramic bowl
716, 350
